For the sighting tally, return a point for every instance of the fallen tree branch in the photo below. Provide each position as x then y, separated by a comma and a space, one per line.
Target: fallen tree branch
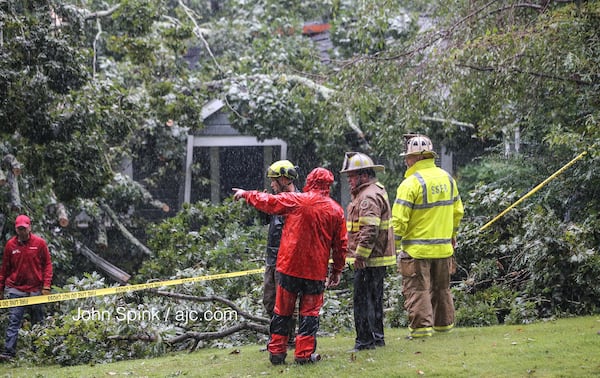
139, 337
132, 239
103, 13
113, 271
101, 237
199, 33
12, 164
450, 121
258, 324
325, 92
199, 336
14, 195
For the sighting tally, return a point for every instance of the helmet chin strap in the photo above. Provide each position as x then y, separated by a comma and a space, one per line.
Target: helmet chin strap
283, 187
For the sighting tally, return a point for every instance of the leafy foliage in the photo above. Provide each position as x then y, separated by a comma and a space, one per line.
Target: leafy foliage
509, 88
83, 332
544, 258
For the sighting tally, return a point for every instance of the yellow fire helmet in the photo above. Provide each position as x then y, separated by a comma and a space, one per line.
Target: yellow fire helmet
283, 168
354, 161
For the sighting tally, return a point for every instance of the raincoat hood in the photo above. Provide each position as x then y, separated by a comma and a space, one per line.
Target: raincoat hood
319, 179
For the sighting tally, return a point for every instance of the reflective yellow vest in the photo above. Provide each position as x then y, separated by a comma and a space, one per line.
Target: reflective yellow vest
426, 212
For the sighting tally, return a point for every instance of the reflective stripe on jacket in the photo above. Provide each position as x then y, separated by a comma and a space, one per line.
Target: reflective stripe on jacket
426, 212
370, 232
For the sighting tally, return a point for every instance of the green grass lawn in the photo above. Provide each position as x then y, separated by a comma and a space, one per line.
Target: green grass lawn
558, 348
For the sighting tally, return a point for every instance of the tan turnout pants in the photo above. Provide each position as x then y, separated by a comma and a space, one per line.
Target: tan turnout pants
427, 296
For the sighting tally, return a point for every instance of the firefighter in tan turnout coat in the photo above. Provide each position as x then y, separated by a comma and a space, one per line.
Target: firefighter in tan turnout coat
371, 243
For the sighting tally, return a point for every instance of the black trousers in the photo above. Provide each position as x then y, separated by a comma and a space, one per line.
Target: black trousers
368, 307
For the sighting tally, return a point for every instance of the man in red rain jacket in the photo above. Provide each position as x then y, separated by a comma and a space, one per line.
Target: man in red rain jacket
26, 271
315, 226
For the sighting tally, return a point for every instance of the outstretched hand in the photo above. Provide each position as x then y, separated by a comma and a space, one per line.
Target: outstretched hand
238, 193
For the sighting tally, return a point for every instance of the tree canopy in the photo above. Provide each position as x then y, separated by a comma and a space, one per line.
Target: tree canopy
510, 89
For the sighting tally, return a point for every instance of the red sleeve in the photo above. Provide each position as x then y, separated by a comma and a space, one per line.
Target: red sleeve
5, 268
340, 246
279, 204
46, 265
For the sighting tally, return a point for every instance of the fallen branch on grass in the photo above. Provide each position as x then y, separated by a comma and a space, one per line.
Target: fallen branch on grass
214, 298
200, 336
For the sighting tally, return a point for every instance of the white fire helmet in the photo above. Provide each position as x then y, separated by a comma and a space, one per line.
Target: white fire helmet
419, 145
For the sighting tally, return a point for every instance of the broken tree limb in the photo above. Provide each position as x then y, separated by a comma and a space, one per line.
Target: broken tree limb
359, 133
213, 298
149, 199
140, 337
199, 336
14, 195
128, 235
325, 92
101, 238
12, 164
13, 169
113, 271
100, 14
450, 121
199, 33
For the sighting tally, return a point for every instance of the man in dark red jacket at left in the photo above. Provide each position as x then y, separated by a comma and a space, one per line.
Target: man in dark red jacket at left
314, 231
26, 271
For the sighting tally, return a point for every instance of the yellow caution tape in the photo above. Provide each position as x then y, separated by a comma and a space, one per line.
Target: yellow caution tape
39, 299
532, 191
59, 297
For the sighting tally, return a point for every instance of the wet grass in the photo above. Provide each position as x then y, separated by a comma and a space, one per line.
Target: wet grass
558, 348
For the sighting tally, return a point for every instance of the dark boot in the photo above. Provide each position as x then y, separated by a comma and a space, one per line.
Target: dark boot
277, 359
313, 358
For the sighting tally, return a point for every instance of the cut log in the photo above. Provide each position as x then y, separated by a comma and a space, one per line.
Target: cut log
61, 213
11, 163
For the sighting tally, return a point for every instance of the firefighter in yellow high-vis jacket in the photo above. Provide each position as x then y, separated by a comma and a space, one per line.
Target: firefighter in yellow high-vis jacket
425, 218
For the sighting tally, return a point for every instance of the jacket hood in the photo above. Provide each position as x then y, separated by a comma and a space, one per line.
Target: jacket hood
319, 179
